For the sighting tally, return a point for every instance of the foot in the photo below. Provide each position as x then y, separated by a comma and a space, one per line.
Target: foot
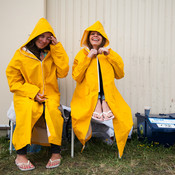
97, 114
23, 163
107, 113
54, 161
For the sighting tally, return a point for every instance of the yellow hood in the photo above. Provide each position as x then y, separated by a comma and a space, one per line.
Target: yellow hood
41, 27
95, 27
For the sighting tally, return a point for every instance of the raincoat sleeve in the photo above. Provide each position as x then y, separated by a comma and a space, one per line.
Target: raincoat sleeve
16, 81
117, 63
60, 59
80, 65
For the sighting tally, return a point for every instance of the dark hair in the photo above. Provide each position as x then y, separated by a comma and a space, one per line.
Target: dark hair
31, 46
90, 45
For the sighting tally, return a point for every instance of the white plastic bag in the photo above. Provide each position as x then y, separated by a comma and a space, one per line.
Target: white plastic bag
11, 113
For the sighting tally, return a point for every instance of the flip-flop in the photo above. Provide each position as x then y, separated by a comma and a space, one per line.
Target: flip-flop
109, 118
20, 165
99, 119
54, 166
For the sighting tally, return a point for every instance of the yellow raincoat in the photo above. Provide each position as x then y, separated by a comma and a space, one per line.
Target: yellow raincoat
85, 73
27, 76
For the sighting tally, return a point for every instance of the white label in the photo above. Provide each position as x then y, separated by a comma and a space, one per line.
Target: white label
163, 121
166, 125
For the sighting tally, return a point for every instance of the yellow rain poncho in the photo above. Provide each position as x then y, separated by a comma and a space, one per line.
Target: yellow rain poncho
85, 73
27, 76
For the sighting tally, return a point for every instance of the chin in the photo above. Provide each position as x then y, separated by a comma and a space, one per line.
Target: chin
95, 44
41, 47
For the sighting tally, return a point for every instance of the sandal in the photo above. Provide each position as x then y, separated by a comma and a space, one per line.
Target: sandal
28, 166
105, 115
52, 161
95, 118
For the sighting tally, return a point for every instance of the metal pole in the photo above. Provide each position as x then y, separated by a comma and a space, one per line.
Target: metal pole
72, 144
11, 134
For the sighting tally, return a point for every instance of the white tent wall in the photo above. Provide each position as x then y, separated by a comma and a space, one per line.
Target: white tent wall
18, 19
141, 31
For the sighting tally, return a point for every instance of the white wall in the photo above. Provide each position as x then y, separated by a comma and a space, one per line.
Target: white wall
17, 20
141, 31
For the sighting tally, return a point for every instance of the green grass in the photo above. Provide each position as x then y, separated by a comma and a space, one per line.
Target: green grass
97, 158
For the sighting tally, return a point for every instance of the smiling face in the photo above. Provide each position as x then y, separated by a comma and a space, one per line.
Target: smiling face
43, 40
95, 39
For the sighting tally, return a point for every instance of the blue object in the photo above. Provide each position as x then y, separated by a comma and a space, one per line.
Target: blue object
156, 128
147, 111
33, 148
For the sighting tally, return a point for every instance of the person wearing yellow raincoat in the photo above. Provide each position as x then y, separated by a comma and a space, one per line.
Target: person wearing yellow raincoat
96, 97
32, 77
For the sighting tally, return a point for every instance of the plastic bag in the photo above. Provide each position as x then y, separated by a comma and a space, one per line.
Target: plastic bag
11, 113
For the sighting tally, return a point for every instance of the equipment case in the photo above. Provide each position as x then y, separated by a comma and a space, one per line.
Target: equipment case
156, 128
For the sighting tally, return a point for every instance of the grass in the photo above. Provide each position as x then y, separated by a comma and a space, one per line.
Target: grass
140, 158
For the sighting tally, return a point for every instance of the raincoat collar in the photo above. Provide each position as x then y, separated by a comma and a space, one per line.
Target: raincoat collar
41, 27
97, 26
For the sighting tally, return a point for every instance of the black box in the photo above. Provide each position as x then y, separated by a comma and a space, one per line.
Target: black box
156, 128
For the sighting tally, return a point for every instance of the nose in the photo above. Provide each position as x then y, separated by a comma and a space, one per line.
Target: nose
44, 40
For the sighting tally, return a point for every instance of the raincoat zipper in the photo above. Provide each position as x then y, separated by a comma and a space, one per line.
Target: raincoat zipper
98, 75
41, 67
42, 77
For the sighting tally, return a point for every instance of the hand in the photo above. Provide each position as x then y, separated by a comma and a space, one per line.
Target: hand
53, 40
39, 98
103, 50
92, 53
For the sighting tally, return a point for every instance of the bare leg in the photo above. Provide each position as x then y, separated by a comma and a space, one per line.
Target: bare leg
98, 111
107, 113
